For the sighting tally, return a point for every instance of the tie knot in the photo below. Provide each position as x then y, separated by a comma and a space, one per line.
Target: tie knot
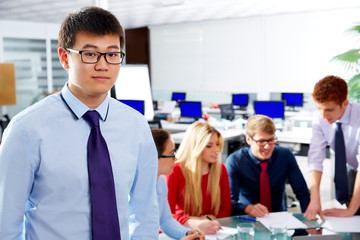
338, 125
92, 118
264, 165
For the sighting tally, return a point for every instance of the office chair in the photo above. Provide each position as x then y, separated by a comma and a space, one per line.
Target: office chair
4, 121
155, 123
227, 111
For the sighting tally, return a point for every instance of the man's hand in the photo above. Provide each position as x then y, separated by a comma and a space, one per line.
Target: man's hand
338, 212
257, 210
194, 235
312, 210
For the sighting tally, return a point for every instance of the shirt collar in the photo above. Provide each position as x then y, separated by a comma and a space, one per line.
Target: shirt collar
346, 116
256, 160
78, 108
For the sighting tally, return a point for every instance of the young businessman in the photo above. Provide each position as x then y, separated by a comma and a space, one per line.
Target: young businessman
258, 173
47, 156
335, 114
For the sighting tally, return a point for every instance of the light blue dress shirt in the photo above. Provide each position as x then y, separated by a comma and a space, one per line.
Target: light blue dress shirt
43, 171
323, 134
168, 224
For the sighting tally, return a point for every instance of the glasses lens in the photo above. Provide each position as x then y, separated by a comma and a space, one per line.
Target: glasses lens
114, 57
90, 56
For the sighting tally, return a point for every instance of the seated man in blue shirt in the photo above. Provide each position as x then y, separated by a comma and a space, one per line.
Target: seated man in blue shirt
257, 192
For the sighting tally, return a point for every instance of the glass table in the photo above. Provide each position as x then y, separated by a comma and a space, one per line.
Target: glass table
262, 233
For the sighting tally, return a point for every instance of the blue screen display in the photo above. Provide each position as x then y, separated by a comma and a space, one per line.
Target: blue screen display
135, 104
273, 109
190, 109
293, 99
178, 96
240, 99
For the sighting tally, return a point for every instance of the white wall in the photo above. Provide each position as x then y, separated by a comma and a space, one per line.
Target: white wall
288, 52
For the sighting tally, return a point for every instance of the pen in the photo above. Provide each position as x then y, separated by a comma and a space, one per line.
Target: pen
247, 218
211, 220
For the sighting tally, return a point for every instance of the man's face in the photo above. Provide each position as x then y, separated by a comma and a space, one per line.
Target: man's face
331, 111
90, 82
260, 149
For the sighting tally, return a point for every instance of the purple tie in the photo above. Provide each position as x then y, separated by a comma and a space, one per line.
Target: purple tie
104, 217
341, 181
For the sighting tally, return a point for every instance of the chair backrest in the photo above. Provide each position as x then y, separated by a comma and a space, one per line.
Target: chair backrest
227, 111
4, 121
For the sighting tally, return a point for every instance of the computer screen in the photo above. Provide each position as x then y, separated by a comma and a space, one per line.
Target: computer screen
240, 99
190, 109
293, 99
138, 105
273, 109
178, 96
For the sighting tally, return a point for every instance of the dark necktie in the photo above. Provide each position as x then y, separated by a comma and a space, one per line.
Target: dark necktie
104, 217
341, 181
265, 190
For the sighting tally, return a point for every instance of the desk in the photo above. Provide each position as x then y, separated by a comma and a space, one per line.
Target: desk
262, 233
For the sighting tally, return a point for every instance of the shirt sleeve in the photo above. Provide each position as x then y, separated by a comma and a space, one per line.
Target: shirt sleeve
168, 224
234, 182
297, 182
225, 206
144, 211
17, 167
174, 189
317, 149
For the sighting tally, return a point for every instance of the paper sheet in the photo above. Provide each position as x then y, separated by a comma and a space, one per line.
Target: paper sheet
225, 232
343, 224
281, 217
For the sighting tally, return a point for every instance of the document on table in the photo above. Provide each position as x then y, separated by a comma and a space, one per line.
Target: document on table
226, 231
281, 217
343, 224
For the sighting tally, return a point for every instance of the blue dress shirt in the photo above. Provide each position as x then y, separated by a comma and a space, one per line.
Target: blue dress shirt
323, 134
43, 171
244, 177
168, 224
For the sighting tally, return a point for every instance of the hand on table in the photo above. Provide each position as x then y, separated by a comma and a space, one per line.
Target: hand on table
337, 212
312, 210
209, 227
194, 235
257, 210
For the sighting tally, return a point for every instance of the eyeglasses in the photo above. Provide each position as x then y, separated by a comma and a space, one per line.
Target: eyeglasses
168, 156
90, 56
262, 143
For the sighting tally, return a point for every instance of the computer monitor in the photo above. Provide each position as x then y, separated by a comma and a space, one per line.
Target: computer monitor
138, 105
190, 109
273, 109
241, 100
178, 96
293, 99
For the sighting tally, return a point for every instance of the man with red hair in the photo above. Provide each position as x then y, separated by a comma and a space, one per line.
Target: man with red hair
336, 125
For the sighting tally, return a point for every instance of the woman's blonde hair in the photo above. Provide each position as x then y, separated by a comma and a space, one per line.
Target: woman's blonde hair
197, 137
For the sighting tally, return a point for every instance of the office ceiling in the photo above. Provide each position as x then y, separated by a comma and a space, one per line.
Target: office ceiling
139, 13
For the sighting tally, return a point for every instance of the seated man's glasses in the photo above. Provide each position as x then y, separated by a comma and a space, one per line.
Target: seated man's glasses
90, 56
168, 156
262, 143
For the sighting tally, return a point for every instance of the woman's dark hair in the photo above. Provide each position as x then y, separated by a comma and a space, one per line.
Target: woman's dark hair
160, 137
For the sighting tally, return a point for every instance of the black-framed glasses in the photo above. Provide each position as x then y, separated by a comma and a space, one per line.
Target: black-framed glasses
91, 56
262, 143
168, 156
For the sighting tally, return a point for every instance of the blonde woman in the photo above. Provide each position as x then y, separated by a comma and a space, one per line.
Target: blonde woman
199, 189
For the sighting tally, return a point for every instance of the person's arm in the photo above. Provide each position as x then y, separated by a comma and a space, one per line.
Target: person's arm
314, 207
174, 183
17, 169
144, 211
234, 182
316, 155
297, 182
353, 205
225, 206
203, 224
168, 224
